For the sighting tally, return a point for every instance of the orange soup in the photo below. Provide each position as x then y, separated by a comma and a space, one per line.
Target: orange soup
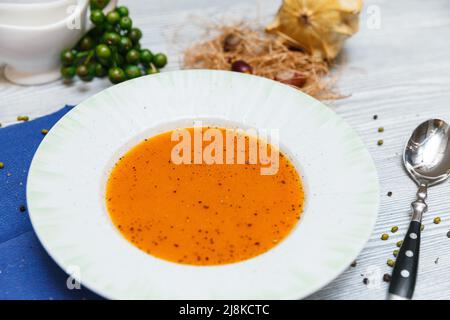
202, 214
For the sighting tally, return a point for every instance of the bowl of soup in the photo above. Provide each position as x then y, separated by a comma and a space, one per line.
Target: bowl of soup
202, 184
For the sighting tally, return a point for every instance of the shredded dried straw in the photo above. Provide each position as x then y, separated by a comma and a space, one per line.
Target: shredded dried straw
267, 55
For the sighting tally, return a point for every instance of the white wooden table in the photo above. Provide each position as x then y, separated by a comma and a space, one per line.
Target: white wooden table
400, 72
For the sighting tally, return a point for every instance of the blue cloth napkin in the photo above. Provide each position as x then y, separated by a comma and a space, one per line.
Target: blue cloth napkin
26, 270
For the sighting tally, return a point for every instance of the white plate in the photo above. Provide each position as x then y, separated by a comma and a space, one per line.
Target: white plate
66, 187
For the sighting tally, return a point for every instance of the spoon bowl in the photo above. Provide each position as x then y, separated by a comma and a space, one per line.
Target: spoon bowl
427, 153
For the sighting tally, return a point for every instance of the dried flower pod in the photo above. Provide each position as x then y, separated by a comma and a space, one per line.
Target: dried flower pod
318, 26
241, 66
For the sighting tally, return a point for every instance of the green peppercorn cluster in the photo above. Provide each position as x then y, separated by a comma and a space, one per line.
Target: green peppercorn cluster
110, 49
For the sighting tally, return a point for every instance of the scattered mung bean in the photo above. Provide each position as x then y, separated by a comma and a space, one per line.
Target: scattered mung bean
390, 262
23, 118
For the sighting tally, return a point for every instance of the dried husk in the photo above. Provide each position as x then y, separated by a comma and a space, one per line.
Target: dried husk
318, 26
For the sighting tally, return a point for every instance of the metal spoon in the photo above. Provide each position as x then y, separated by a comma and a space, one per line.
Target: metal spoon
427, 160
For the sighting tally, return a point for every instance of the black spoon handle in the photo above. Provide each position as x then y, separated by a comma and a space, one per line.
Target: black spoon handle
403, 280
405, 270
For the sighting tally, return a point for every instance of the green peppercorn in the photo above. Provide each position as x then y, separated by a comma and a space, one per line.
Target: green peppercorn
399, 243
380, 142
125, 44
82, 70
86, 43
146, 56
86, 72
111, 38
102, 51
133, 56
113, 17
100, 71
116, 75
384, 236
44, 131
395, 253
394, 229
67, 57
2, 165
160, 60
98, 4
135, 35
390, 262
132, 71
123, 11
125, 23
97, 17
68, 72
380, 129
437, 220
88, 78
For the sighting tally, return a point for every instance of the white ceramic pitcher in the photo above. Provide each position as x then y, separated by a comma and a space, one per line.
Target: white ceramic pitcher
32, 37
